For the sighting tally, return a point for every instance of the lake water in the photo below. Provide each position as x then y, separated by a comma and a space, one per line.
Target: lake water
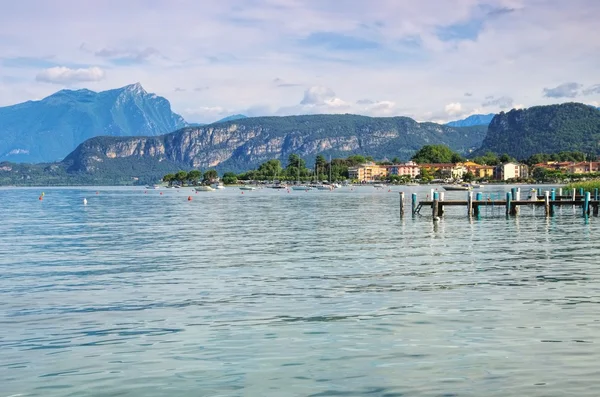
270, 293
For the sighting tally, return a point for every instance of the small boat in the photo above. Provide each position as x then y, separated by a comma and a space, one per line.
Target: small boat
153, 187
278, 186
204, 189
301, 187
457, 187
476, 185
217, 186
379, 186
246, 187
412, 184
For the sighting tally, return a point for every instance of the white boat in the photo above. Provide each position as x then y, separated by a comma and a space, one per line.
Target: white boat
217, 186
153, 187
301, 187
323, 187
476, 185
246, 187
204, 189
457, 187
379, 186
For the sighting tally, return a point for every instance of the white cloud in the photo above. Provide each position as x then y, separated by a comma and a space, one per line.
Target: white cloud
453, 109
237, 49
64, 75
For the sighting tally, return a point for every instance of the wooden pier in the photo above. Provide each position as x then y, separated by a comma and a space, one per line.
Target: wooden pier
475, 203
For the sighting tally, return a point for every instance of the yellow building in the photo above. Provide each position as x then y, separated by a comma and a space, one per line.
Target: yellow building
368, 172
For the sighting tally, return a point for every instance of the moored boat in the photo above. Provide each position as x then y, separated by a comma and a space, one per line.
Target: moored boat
457, 187
204, 189
246, 187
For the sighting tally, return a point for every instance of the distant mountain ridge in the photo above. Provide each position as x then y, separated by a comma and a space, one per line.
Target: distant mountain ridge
245, 143
49, 129
475, 119
544, 129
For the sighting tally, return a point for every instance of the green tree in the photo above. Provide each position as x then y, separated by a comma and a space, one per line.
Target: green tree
181, 177
468, 177
396, 160
490, 158
169, 178
296, 162
194, 176
229, 178
436, 154
270, 170
505, 158
425, 175
210, 176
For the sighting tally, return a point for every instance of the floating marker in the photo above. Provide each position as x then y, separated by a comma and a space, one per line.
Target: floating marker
84, 201
161, 193
97, 193
189, 198
41, 198
145, 192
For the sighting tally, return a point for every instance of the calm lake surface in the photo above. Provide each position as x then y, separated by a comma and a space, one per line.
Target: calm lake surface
270, 293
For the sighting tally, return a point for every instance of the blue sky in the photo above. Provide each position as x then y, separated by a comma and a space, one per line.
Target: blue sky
429, 59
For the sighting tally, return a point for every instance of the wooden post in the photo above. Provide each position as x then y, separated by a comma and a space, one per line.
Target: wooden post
586, 204
442, 198
414, 204
470, 204
560, 192
513, 193
573, 194
547, 202
539, 192
508, 199
401, 204
518, 198
436, 206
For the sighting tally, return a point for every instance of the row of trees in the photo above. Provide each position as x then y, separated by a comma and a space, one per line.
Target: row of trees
193, 177
337, 169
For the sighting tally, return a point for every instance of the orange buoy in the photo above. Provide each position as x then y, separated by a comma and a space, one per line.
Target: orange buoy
41, 198
189, 198
242, 192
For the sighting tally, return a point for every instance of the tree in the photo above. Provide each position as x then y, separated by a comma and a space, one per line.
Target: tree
395, 160
181, 177
425, 175
468, 177
505, 158
270, 169
229, 178
436, 154
295, 161
490, 158
194, 176
169, 178
210, 175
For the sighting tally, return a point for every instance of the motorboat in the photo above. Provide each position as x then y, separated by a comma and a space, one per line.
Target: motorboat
301, 187
462, 187
204, 189
217, 186
379, 186
246, 187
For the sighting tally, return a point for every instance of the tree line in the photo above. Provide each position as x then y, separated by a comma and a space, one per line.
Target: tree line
336, 169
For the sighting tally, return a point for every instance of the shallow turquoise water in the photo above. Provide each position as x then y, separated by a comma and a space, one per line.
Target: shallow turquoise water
270, 293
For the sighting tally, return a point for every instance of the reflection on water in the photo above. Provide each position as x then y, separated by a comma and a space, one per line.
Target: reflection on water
272, 293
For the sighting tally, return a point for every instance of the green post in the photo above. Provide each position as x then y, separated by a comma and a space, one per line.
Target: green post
513, 193
581, 192
414, 204
508, 199
596, 194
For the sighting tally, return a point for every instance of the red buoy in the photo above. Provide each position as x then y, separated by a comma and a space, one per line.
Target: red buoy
41, 198
189, 198
161, 193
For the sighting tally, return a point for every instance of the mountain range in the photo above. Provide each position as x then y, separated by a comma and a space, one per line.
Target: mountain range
475, 119
49, 129
245, 143
544, 129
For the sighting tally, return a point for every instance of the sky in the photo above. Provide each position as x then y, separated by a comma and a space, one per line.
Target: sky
431, 60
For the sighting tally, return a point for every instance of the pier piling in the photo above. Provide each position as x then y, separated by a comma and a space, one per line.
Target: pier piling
586, 204
508, 203
436, 206
401, 204
414, 204
547, 203
470, 204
